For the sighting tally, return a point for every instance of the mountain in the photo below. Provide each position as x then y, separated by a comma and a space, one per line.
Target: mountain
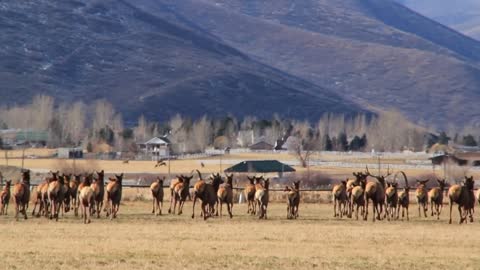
243, 57
463, 15
377, 53
143, 62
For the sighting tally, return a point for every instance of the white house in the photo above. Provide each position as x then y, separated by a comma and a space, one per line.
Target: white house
156, 147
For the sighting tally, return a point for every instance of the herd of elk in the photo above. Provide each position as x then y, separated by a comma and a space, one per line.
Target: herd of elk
61, 192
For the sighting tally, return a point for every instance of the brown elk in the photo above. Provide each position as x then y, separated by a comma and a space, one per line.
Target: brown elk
21, 195
391, 196
262, 198
375, 191
181, 192
98, 187
351, 183
207, 193
73, 191
157, 194
65, 194
114, 195
225, 195
86, 198
358, 196
293, 200
55, 198
87, 181
39, 198
404, 198
339, 193
463, 196
435, 196
5, 197
173, 183
421, 195
249, 193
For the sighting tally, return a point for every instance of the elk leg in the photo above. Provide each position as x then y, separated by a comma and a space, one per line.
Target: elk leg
229, 208
365, 210
335, 208
194, 201
451, 206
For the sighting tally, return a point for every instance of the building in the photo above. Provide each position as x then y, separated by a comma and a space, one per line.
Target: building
20, 137
70, 153
262, 145
156, 148
461, 159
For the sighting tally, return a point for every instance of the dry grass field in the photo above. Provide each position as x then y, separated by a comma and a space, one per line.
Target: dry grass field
138, 240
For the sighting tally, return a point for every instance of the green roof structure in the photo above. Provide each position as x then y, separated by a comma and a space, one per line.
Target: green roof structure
260, 166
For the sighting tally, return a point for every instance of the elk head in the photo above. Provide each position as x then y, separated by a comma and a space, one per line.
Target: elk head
442, 183
469, 183
421, 183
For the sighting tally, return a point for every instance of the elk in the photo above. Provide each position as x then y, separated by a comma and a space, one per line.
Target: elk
98, 187
339, 193
157, 193
421, 195
86, 198
293, 200
5, 197
404, 198
181, 192
375, 191
435, 196
249, 193
225, 195
391, 195
464, 197
65, 194
87, 181
73, 190
173, 183
21, 195
55, 198
114, 195
207, 193
261, 197
351, 183
39, 198
358, 196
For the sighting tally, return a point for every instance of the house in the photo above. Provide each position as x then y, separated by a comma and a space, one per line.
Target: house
461, 159
156, 147
19, 137
70, 153
262, 145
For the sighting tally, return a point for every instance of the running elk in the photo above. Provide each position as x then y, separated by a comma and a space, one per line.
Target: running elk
293, 200
404, 198
358, 197
464, 197
375, 191
5, 197
173, 183
225, 195
421, 195
114, 195
339, 192
261, 197
391, 195
73, 191
86, 198
98, 187
21, 195
435, 196
39, 198
249, 193
181, 193
55, 198
157, 193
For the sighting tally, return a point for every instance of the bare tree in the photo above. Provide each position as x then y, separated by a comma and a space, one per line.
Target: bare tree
301, 148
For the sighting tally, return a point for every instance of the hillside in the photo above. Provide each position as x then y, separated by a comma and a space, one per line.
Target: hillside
217, 57
144, 63
375, 52
463, 16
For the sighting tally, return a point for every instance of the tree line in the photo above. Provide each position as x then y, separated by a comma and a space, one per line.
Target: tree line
90, 126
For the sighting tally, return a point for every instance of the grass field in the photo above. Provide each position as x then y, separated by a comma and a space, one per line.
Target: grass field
138, 240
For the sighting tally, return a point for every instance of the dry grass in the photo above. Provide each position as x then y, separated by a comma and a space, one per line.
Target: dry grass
138, 240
